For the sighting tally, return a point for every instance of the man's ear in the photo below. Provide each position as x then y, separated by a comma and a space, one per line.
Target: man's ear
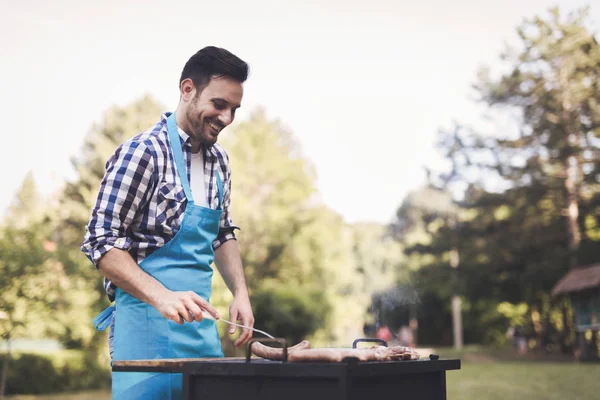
187, 88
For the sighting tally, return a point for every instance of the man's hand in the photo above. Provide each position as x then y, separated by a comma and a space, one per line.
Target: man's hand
180, 306
240, 310
229, 264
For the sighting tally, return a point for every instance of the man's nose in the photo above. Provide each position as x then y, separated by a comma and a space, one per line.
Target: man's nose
226, 118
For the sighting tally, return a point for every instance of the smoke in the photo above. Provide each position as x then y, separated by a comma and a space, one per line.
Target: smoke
397, 297
400, 298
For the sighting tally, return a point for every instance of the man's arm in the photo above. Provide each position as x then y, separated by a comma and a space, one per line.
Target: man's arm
125, 188
229, 264
118, 266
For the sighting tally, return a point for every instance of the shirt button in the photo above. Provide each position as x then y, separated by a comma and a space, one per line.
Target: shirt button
120, 242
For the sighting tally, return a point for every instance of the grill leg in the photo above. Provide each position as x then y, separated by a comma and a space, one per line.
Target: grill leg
186, 386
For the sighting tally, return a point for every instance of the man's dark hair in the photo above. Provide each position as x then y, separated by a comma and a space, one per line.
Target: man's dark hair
213, 61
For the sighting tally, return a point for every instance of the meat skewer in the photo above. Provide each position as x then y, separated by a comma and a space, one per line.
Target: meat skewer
303, 353
273, 353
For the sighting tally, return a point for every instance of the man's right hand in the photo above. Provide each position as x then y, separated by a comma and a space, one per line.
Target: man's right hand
118, 266
180, 306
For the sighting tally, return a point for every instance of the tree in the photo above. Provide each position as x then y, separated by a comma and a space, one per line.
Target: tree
273, 185
554, 83
540, 216
31, 283
75, 202
309, 273
427, 226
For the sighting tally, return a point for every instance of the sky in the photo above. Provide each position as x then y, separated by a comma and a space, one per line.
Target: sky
364, 85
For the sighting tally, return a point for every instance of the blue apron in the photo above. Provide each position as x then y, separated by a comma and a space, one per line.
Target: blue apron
182, 264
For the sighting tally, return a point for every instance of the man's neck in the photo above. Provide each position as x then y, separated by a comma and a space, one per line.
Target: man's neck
182, 124
180, 120
196, 147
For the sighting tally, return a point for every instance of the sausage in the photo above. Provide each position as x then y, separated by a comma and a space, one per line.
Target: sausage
300, 353
328, 355
380, 353
273, 353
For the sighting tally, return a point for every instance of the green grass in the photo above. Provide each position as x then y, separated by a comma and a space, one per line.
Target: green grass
94, 395
486, 374
519, 380
497, 374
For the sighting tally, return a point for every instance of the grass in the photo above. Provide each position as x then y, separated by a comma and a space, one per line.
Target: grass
496, 374
486, 374
93, 395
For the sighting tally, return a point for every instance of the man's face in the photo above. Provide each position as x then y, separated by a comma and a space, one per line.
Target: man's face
212, 109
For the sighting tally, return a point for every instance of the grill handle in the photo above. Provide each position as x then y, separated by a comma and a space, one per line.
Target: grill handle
367, 340
282, 342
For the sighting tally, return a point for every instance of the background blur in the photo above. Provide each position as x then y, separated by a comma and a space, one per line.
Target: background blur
426, 172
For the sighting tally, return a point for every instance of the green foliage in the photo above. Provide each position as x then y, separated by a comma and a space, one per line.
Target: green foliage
26, 207
272, 188
291, 243
285, 233
85, 292
60, 372
32, 284
512, 241
290, 311
48, 288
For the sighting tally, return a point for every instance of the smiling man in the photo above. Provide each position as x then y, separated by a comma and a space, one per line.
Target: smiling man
160, 219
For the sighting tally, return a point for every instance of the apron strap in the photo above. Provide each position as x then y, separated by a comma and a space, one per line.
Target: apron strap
175, 140
220, 189
102, 320
180, 163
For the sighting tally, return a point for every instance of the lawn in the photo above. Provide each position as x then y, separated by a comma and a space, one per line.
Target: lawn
500, 375
95, 395
485, 375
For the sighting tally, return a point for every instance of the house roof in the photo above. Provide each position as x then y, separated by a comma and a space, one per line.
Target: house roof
578, 279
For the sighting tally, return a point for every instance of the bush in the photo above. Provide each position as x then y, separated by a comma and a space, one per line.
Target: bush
50, 373
290, 311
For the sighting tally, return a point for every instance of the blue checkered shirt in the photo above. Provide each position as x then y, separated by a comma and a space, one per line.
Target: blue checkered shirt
141, 201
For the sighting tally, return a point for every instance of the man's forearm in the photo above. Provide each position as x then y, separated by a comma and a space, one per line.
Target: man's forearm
118, 266
229, 264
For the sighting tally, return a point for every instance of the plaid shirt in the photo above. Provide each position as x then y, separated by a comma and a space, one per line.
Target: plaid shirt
141, 202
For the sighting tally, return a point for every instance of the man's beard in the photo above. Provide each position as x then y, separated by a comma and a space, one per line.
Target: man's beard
198, 129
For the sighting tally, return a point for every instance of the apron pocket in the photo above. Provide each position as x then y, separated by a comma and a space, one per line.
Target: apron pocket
158, 329
131, 335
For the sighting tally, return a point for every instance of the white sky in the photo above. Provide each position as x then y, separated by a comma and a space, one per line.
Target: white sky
364, 85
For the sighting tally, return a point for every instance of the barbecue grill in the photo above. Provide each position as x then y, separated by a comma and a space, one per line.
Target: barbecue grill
255, 378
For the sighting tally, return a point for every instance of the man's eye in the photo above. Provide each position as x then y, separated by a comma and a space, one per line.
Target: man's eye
219, 105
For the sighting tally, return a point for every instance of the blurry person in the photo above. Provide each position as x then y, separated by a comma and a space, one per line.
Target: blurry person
161, 217
510, 335
406, 337
384, 333
520, 340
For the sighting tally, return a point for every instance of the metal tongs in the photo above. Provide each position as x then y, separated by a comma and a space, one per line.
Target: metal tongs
206, 315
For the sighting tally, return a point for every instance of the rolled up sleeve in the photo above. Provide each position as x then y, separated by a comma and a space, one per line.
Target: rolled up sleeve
125, 188
226, 226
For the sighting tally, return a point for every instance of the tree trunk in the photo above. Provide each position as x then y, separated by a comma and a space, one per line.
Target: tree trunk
457, 330
566, 331
5, 368
457, 322
569, 121
572, 211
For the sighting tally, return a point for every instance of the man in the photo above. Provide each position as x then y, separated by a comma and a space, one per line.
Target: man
161, 217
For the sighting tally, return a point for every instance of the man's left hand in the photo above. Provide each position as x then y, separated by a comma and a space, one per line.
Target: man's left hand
240, 312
